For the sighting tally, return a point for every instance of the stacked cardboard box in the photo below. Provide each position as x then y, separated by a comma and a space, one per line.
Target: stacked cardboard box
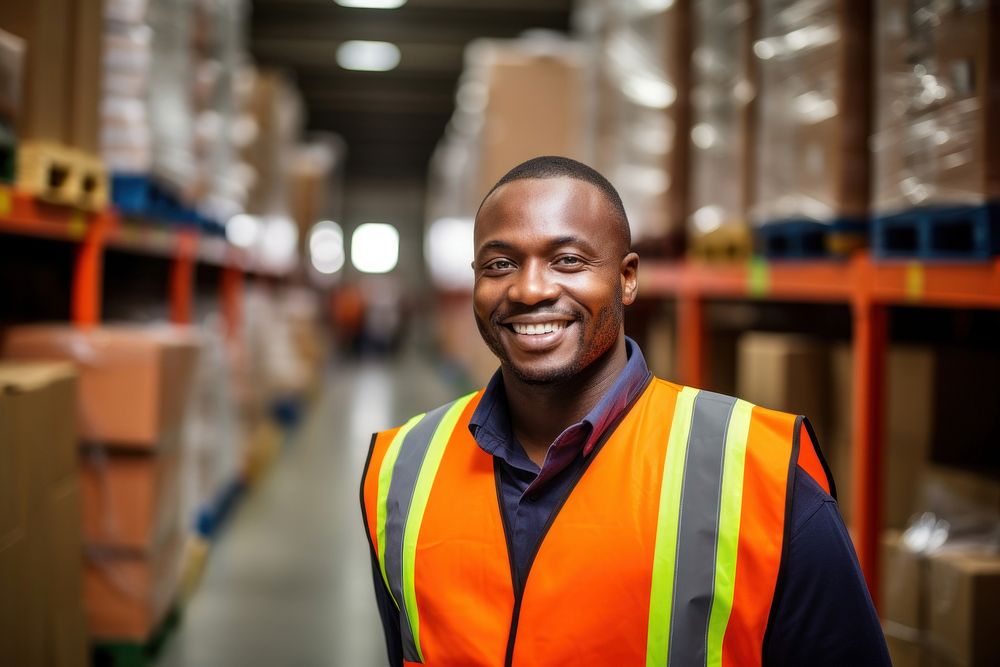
45, 26
811, 150
42, 619
133, 387
926, 468
549, 74
58, 118
721, 126
937, 606
936, 87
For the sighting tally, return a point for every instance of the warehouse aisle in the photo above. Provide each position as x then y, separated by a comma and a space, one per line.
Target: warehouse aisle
289, 582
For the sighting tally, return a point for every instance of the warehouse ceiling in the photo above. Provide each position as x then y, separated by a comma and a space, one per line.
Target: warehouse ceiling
392, 120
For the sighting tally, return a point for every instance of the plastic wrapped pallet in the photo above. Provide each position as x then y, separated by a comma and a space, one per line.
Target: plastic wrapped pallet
936, 81
211, 457
721, 102
811, 155
220, 187
642, 113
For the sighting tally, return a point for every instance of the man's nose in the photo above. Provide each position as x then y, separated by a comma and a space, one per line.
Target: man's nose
534, 284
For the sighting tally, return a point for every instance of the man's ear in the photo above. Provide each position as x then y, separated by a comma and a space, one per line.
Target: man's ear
629, 272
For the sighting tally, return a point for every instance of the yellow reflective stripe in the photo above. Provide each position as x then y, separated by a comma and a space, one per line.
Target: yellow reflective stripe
421, 492
729, 529
384, 480
665, 549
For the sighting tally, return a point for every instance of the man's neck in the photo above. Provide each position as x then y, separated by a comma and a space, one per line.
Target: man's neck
540, 412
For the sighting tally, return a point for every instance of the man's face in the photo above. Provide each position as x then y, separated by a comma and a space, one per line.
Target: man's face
552, 277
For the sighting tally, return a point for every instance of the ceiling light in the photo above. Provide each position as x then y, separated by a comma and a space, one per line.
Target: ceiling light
326, 247
448, 251
368, 56
375, 247
371, 4
243, 230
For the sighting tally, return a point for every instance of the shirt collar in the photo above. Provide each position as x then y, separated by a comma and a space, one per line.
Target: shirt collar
490, 422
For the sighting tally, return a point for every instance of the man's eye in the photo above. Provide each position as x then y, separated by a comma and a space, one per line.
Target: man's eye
569, 260
500, 265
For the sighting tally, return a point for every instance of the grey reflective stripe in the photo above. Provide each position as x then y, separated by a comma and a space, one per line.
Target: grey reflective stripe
404, 480
698, 529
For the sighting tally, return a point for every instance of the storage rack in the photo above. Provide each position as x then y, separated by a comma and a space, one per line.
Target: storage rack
869, 287
184, 247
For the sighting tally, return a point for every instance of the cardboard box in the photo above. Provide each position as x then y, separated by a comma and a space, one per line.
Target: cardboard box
126, 596
12, 57
44, 25
785, 372
41, 617
903, 594
86, 75
131, 501
513, 131
133, 381
963, 623
909, 428
904, 653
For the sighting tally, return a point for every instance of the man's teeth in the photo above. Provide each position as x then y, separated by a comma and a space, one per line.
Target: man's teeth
536, 329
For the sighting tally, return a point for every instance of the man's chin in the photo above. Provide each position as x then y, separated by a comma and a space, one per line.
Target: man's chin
541, 376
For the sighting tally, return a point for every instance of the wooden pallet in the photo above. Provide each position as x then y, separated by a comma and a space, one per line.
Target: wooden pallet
939, 233
61, 175
137, 654
808, 239
729, 243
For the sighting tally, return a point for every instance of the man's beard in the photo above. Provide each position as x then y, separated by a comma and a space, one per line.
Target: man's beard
605, 328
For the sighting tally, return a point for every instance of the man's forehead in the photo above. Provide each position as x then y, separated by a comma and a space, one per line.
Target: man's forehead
539, 195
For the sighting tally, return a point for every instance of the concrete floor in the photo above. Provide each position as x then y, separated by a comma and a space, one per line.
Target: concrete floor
289, 582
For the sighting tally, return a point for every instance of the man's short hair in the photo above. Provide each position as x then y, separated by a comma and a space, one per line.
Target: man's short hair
555, 166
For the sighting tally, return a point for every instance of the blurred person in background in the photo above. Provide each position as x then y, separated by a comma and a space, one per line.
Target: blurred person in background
348, 312
579, 510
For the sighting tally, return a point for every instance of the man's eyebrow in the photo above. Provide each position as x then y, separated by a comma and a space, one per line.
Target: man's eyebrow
495, 245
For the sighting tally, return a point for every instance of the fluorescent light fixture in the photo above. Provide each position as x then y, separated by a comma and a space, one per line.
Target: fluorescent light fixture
243, 230
326, 247
649, 91
375, 247
278, 241
449, 253
365, 56
372, 4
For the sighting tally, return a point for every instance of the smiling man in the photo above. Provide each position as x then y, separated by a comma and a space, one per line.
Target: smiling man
580, 511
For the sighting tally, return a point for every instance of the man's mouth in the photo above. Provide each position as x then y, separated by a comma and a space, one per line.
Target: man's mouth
537, 329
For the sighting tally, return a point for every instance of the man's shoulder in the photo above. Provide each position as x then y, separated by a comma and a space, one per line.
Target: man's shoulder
465, 403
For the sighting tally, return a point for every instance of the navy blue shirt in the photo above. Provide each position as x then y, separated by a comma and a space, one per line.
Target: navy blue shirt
822, 613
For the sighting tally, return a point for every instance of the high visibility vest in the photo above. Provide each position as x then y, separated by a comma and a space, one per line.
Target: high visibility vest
667, 551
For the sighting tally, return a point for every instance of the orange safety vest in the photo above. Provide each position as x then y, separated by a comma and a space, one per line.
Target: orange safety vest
667, 550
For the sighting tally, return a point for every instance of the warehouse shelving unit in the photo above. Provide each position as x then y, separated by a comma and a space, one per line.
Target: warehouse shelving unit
184, 247
869, 287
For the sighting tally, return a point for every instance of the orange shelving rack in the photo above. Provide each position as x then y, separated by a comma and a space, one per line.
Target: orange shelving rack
868, 287
185, 248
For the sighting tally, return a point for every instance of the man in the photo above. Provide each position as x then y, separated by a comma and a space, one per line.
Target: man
579, 510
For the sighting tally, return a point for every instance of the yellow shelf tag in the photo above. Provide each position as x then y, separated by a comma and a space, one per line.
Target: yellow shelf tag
77, 226
758, 277
5, 201
914, 281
